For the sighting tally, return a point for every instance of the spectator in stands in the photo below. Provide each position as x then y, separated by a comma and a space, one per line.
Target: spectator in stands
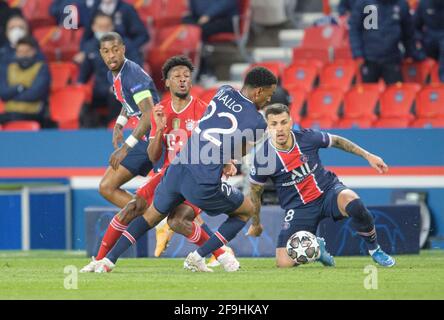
16, 28
24, 84
5, 13
93, 65
377, 46
429, 24
126, 22
213, 16
345, 7
83, 9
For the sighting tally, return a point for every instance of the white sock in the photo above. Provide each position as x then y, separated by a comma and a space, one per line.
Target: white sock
373, 251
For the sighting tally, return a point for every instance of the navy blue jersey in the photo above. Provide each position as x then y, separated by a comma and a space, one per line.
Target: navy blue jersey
230, 122
298, 174
131, 86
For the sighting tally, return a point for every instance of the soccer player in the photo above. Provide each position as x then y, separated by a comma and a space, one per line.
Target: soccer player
308, 192
228, 129
172, 122
136, 91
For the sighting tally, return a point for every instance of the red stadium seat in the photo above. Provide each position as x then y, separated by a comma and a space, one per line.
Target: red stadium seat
37, 13
170, 41
276, 67
339, 75
160, 13
301, 53
323, 37
361, 101
323, 123
397, 101
2, 106
392, 123
297, 102
65, 106
319, 64
58, 43
322, 107
430, 102
417, 72
208, 94
300, 75
62, 74
343, 52
21, 126
348, 123
435, 74
428, 123
241, 27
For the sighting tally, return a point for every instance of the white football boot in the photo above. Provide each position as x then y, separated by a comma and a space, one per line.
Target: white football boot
90, 267
229, 262
195, 263
103, 266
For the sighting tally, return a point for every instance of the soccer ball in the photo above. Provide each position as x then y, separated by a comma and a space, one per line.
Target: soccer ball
303, 247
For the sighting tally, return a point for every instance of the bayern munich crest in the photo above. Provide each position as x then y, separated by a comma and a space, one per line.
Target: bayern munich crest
189, 124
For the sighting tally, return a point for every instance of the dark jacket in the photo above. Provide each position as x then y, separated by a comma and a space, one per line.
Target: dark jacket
345, 6
395, 25
94, 65
429, 21
213, 8
126, 22
5, 13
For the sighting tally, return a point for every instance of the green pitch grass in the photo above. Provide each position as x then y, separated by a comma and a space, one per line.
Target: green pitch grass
40, 275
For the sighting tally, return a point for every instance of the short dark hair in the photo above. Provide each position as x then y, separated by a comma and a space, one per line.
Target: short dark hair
174, 62
28, 40
111, 36
259, 77
276, 108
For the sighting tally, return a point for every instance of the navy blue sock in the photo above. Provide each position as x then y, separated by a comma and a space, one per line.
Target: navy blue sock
227, 231
362, 222
135, 230
207, 229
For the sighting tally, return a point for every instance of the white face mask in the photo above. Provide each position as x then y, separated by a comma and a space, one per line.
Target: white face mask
108, 8
15, 34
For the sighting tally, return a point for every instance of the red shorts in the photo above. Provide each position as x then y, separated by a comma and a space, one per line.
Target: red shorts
146, 191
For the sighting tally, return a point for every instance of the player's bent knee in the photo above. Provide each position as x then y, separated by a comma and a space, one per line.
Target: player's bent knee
105, 188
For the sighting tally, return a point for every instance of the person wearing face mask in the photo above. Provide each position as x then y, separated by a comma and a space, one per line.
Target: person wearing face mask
93, 65
24, 84
429, 25
126, 22
5, 13
377, 46
16, 28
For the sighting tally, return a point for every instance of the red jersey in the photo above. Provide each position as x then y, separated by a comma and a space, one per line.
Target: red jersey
179, 125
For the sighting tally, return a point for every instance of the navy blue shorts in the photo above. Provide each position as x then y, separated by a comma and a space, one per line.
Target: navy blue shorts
178, 184
137, 161
307, 217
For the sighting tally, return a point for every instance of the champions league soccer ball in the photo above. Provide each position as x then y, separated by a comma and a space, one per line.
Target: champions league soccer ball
303, 247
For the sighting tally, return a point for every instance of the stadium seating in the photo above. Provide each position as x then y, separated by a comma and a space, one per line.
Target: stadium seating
428, 123
65, 106
430, 106
300, 75
170, 41
160, 13
322, 107
435, 74
298, 97
339, 74
323, 37
417, 71
37, 13
301, 53
241, 27
343, 52
277, 67
392, 123
58, 43
397, 100
62, 74
21, 126
359, 106
2, 106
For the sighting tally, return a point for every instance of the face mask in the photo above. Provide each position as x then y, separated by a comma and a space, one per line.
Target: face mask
99, 34
108, 8
15, 34
25, 63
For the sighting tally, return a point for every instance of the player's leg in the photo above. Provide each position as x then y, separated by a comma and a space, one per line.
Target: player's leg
110, 185
362, 221
283, 260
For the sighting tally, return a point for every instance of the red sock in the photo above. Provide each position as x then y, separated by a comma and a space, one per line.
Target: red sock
199, 236
113, 233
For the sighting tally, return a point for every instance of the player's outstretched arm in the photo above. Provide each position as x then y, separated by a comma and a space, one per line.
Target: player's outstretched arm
346, 145
256, 191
